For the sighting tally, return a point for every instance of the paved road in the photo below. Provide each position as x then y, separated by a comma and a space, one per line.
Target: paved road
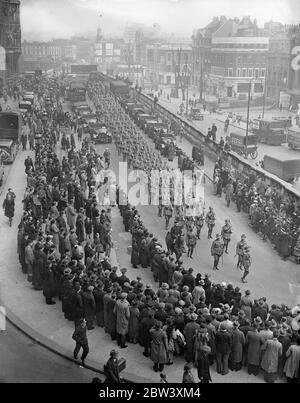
267, 264
22, 360
281, 152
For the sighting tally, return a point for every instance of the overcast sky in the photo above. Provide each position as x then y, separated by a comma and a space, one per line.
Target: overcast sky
46, 19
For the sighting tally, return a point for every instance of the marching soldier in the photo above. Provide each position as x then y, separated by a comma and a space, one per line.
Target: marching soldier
168, 211
247, 260
226, 234
210, 221
217, 248
199, 221
191, 242
240, 251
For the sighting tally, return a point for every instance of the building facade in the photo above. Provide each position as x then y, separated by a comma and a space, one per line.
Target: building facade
106, 53
165, 62
283, 73
201, 53
238, 60
10, 37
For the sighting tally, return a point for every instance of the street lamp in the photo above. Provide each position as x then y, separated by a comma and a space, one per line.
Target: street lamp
187, 77
248, 110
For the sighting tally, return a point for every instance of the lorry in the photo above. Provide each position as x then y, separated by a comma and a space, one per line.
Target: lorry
287, 170
10, 133
270, 131
293, 137
119, 88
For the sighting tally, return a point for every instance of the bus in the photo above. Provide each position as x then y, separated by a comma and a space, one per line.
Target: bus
10, 132
77, 93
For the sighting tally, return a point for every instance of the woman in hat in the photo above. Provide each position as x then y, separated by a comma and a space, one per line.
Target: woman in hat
159, 347
246, 304
272, 350
187, 374
169, 328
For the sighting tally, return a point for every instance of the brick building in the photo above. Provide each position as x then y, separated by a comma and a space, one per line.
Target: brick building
283, 79
238, 55
164, 62
201, 52
10, 37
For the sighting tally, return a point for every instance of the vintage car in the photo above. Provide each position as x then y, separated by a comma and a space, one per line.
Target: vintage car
270, 131
100, 134
195, 114
244, 145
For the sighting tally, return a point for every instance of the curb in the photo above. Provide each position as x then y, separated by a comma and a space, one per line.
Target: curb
60, 351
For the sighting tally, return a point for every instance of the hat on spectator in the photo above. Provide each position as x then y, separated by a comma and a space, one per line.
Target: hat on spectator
193, 316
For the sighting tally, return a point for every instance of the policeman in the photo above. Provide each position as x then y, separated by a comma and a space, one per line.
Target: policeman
226, 234
240, 251
217, 248
247, 260
210, 221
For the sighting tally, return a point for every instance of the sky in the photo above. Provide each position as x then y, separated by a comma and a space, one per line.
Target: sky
47, 19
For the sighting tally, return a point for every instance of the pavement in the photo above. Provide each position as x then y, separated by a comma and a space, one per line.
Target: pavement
23, 360
281, 152
46, 325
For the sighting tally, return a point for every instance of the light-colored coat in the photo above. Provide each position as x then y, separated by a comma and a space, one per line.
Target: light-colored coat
71, 216
272, 351
291, 368
122, 312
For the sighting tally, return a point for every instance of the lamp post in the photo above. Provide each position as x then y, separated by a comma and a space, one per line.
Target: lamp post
187, 77
248, 111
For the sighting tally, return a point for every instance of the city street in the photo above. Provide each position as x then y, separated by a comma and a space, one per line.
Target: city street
196, 282
281, 152
23, 360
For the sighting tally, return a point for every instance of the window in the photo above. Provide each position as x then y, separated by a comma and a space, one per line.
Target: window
230, 73
244, 72
263, 73
256, 73
238, 72
168, 79
250, 72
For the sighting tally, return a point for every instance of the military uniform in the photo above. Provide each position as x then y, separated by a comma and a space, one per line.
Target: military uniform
199, 221
247, 260
226, 235
217, 248
210, 221
240, 252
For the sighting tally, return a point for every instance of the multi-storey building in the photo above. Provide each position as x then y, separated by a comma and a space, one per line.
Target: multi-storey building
201, 53
283, 74
165, 62
238, 57
10, 37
